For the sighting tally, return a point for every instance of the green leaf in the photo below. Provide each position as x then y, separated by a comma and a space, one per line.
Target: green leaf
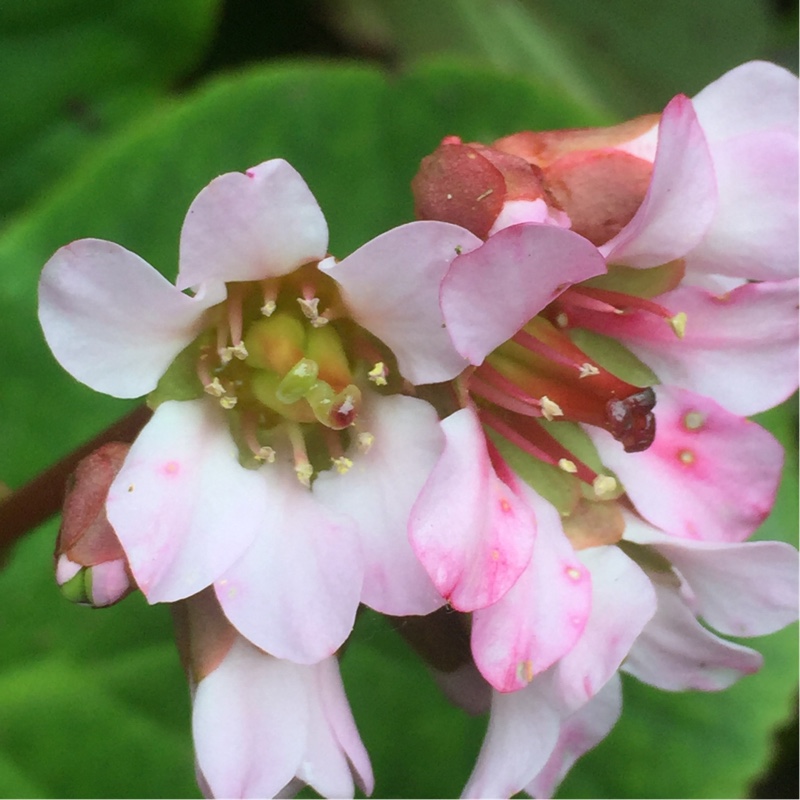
73, 71
620, 54
357, 138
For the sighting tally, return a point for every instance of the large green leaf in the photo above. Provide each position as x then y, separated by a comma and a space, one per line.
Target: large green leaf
72, 71
622, 54
80, 690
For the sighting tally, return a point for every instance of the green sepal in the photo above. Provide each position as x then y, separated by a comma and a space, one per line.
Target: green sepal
640, 282
78, 589
577, 441
614, 357
180, 381
556, 486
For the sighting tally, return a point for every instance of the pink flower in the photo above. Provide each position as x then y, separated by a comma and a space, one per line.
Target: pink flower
612, 371
264, 727
281, 462
646, 600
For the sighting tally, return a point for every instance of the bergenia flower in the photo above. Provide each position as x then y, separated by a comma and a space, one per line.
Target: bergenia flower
617, 391
264, 727
282, 459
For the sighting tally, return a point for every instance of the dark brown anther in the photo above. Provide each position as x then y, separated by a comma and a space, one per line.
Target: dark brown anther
631, 421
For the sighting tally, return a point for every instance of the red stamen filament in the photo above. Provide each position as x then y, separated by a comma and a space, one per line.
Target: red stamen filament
617, 302
488, 383
535, 441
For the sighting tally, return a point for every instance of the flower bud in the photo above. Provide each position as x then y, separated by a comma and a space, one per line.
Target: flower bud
589, 173
481, 189
91, 567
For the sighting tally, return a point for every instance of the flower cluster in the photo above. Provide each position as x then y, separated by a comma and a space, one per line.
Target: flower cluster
528, 406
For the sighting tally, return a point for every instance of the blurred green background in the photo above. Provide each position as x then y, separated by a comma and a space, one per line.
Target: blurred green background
113, 114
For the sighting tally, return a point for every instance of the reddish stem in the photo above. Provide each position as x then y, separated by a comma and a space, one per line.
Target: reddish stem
42, 497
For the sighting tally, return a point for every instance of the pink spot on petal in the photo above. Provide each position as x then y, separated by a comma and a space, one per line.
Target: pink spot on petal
172, 468
573, 573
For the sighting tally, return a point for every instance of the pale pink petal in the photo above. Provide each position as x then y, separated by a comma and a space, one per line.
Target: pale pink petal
680, 201
623, 602
489, 293
754, 232
708, 475
523, 730
339, 718
740, 348
744, 589
113, 321
110, 582
580, 732
676, 653
391, 286
378, 493
468, 528
324, 765
516, 212
183, 507
294, 592
756, 96
250, 723
263, 223
542, 616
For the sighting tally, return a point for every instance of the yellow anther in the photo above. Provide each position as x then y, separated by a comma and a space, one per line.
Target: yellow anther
588, 369
228, 401
239, 351
364, 441
378, 374
604, 485
304, 473
525, 671
215, 388
550, 409
567, 465
268, 309
342, 464
265, 454
678, 324
562, 320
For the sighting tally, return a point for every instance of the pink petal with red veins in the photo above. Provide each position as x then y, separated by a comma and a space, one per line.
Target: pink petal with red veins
250, 723
294, 592
623, 602
739, 348
468, 528
335, 719
378, 493
681, 200
542, 616
113, 321
523, 730
754, 232
489, 293
708, 475
183, 507
248, 226
676, 653
746, 589
580, 732
756, 96
391, 286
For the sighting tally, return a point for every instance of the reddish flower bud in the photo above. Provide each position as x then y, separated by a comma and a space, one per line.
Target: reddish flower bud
91, 567
588, 172
471, 185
